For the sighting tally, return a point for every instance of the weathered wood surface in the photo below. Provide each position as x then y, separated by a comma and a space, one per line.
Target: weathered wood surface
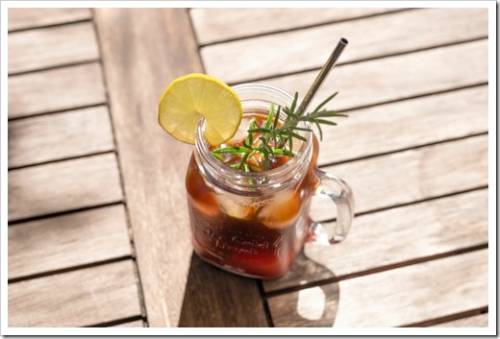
218, 24
136, 323
79, 298
395, 236
55, 46
480, 320
179, 289
69, 240
154, 166
392, 78
59, 135
425, 120
213, 297
23, 18
392, 298
54, 90
416, 174
429, 27
62, 186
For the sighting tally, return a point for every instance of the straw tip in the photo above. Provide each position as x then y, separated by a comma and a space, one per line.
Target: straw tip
344, 41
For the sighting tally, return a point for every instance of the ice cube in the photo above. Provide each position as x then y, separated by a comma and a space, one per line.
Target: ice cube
234, 206
282, 210
205, 203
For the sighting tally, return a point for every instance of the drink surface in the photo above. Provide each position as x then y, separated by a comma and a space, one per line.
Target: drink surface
257, 236
256, 161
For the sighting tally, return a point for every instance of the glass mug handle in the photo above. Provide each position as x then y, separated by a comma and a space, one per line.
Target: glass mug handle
341, 194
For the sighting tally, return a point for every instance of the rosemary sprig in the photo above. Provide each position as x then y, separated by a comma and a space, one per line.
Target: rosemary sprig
272, 139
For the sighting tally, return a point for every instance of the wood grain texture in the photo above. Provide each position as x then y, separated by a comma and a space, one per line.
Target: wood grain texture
54, 46
411, 175
136, 323
216, 24
23, 18
78, 298
60, 135
397, 77
69, 240
480, 320
154, 165
230, 299
305, 49
394, 236
54, 90
392, 298
406, 124
63, 186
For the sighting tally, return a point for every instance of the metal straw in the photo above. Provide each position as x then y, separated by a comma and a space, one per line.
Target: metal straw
330, 63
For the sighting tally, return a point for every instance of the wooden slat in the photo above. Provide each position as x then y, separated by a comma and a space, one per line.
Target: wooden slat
212, 288
60, 135
54, 90
66, 241
397, 297
78, 298
136, 323
395, 236
55, 46
154, 165
216, 24
22, 18
392, 78
422, 173
300, 50
480, 320
378, 129
62, 186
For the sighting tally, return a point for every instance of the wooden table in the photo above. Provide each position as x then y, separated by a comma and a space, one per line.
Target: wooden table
98, 228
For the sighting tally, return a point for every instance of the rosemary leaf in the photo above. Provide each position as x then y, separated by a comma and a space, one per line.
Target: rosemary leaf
294, 103
302, 129
230, 150
260, 129
324, 102
325, 122
327, 114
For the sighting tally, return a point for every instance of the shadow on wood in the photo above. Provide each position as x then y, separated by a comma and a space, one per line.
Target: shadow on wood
215, 298
313, 306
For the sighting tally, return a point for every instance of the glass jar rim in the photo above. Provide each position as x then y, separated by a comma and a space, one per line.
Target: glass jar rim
275, 176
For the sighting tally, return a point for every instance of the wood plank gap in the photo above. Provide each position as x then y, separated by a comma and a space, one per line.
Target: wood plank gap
63, 159
142, 301
380, 154
360, 60
67, 23
451, 317
378, 269
302, 27
58, 111
199, 46
15, 222
411, 203
267, 309
417, 96
118, 321
98, 294
414, 202
67, 64
70, 269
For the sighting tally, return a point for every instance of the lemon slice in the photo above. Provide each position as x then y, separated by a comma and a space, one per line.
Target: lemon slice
192, 97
